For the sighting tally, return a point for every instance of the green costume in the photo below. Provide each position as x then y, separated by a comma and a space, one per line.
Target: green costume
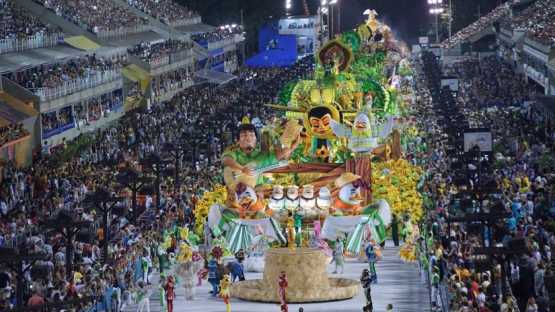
298, 229
257, 157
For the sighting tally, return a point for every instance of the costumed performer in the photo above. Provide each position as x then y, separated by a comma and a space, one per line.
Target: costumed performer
366, 283
213, 276
225, 292
282, 286
339, 256
372, 258
291, 242
169, 289
236, 268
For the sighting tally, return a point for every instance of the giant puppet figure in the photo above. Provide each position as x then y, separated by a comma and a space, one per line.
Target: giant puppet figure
244, 164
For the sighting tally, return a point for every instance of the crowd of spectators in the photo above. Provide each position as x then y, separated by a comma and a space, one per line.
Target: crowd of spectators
12, 132
478, 26
96, 16
55, 75
17, 23
57, 119
167, 11
515, 184
174, 80
200, 118
219, 34
537, 20
97, 108
489, 82
155, 52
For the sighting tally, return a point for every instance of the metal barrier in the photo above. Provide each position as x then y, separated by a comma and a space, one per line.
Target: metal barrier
186, 21
30, 42
72, 86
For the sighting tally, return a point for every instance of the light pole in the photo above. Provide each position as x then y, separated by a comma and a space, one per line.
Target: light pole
333, 22
325, 9
450, 17
436, 9
287, 6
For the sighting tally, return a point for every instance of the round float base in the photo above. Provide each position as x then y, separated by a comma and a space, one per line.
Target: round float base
307, 279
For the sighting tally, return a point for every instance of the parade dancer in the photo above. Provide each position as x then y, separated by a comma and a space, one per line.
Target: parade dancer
236, 267
366, 283
146, 263
224, 292
282, 286
170, 293
372, 258
338, 256
162, 290
213, 276
143, 298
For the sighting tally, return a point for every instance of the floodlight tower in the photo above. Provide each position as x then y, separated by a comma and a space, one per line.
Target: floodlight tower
436, 9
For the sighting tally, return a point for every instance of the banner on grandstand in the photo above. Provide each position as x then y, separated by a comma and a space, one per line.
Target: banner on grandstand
452, 83
481, 138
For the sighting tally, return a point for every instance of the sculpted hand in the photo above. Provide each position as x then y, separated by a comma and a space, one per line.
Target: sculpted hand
247, 171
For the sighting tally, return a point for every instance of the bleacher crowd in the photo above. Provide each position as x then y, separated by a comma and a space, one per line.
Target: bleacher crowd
12, 132
55, 75
16, 22
95, 15
167, 11
478, 26
537, 20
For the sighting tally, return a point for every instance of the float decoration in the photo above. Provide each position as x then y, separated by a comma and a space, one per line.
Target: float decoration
338, 156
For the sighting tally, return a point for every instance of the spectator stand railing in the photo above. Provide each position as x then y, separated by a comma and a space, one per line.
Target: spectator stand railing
30, 42
52, 132
181, 56
122, 32
75, 85
159, 61
186, 21
221, 43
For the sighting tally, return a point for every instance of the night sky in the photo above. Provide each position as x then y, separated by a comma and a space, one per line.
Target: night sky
408, 18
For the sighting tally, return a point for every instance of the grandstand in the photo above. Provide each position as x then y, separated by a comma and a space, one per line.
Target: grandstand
69, 67
525, 37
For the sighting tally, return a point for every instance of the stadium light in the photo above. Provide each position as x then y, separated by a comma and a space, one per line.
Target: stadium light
436, 9
333, 1
288, 4
324, 2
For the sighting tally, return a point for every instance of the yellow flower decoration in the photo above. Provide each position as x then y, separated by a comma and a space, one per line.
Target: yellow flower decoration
323, 152
403, 198
217, 196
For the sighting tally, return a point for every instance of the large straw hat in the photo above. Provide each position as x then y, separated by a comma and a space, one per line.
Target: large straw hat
345, 179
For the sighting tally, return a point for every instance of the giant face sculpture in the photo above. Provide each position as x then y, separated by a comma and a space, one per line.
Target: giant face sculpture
318, 121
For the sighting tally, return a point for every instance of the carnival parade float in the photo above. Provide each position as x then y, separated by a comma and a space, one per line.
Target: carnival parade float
329, 167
